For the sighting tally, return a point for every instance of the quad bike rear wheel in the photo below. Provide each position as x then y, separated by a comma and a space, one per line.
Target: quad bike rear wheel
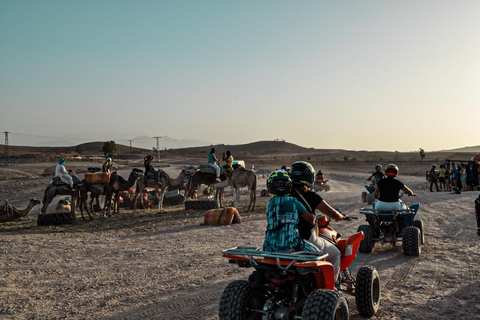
367, 244
411, 241
239, 302
327, 188
419, 225
325, 304
367, 291
364, 197
370, 198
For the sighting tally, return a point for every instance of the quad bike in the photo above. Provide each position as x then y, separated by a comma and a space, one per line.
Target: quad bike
320, 185
369, 196
299, 285
390, 226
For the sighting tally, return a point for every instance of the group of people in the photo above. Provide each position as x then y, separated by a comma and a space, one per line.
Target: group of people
452, 175
214, 162
291, 219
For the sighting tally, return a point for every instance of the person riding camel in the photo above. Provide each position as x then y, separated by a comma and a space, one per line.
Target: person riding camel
228, 167
61, 172
107, 165
212, 162
388, 190
150, 169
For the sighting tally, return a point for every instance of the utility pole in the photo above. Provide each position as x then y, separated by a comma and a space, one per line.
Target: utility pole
158, 149
130, 146
6, 145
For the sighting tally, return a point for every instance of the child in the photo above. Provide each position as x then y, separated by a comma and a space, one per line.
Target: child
283, 215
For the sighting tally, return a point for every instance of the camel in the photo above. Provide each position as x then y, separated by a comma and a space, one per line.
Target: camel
240, 178
206, 178
167, 182
53, 190
117, 183
11, 213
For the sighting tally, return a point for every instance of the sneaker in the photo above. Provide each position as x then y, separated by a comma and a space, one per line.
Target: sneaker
218, 180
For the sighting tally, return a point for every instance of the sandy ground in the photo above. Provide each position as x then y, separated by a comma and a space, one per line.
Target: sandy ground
148, 266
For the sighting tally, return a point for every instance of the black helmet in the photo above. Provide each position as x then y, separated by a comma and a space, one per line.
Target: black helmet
378, 167
279, 183
302, 172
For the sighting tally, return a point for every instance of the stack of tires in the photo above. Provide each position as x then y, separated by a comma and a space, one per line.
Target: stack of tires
56, 218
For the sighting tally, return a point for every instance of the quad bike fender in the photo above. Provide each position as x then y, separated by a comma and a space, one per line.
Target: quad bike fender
325, 279
349, 248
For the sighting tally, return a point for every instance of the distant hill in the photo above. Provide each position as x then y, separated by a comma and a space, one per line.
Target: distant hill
474, 149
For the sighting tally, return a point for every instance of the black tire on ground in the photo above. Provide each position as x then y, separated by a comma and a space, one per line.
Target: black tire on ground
367, 291
325, 304
367, 244
370, 198
200, 204
327, 188
411, 241
419, 225
239, 300
56, 218
364, 197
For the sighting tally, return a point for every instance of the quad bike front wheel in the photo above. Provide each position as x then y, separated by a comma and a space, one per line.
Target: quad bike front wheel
367, 291
325, 304
412, 241
367, 244
327, 188
240, 301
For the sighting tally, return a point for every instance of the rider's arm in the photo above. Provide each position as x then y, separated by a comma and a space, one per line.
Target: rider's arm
408, 191
377, 190
325, 208
309, 217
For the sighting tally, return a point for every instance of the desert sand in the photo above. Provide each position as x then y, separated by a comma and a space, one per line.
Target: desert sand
144, 265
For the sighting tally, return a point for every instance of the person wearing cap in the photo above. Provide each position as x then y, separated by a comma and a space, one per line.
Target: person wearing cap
61, 172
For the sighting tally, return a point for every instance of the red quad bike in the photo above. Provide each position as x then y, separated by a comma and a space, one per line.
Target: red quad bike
321, 185
299, 285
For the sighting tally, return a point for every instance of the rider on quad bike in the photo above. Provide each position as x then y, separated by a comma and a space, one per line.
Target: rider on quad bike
376, 176
388, 190
302, 174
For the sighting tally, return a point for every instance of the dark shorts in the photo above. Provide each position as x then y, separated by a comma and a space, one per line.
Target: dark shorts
441, 179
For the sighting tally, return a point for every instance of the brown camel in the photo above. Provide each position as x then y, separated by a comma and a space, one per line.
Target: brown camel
117, 183
11, 213
53, 190
206, 178
167, 182
240, 178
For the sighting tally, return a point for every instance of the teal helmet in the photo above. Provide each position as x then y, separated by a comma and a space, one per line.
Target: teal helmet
61, 161
302, 172
279, 183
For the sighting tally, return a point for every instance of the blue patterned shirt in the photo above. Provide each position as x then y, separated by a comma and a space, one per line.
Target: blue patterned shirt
283, 214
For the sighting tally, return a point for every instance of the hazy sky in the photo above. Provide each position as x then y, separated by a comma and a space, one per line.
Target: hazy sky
361, 75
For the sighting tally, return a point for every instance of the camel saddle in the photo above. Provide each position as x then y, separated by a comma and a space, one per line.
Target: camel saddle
205, 168
58, 181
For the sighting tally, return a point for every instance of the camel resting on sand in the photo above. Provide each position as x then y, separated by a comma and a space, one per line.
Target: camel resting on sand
240, 178
11, 213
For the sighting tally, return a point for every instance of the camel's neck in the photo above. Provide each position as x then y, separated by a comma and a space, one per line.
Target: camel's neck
28, 209
177, 181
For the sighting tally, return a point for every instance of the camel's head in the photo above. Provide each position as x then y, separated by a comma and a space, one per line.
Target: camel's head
34, 201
